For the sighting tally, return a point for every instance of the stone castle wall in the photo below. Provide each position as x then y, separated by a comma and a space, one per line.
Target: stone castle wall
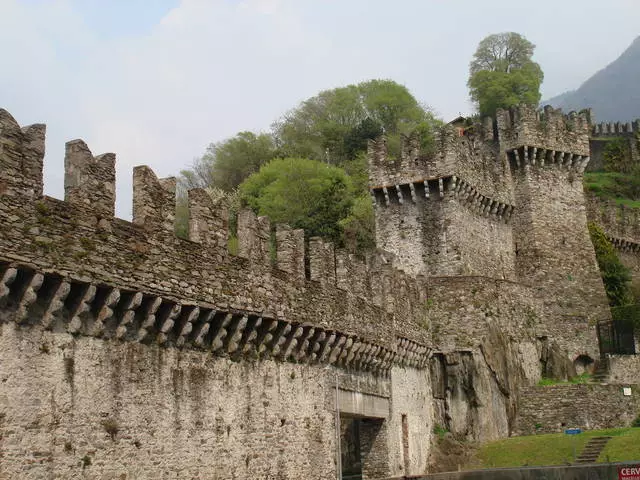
603, 133
503, 201
624, 369
453, 231
551, 409
622, 226
121, 341
444, 214
491, 282
554, 253
80, 407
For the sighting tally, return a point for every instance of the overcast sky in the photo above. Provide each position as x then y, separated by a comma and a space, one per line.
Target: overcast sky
155, 81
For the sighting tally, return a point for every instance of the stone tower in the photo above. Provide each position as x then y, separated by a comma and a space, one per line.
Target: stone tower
503, 200
445, 213
547, 153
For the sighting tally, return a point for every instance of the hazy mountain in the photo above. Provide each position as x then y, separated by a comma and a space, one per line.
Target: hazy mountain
613, 93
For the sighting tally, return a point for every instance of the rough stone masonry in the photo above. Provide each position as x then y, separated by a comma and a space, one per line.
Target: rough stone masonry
129, 353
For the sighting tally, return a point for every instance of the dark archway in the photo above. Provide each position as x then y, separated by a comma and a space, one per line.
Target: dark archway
583, 364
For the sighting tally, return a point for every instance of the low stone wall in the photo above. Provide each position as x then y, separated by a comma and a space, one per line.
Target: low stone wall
607, 471
624, 369
549, 409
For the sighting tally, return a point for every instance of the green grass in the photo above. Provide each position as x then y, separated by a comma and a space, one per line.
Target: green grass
556, 449
583, 378
624, 446
619, 187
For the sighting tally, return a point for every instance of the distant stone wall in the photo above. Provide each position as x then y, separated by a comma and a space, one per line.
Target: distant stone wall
549, 409
622, 226
618, 221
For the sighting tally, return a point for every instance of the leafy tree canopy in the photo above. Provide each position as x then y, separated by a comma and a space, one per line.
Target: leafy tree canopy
333, 128
335, 125
303, 193
227, 163
502, 73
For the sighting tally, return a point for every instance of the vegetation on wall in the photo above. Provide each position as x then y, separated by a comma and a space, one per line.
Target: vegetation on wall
624, 189
617, 155
302, 193
310, 170
616, 277
620, 179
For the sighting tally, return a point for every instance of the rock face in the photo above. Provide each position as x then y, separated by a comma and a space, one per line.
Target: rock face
119, 340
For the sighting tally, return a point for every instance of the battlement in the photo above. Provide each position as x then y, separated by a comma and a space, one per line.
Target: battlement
450, 144
616, 129
620, 222
422, 191
548, 129
22, 150
98, 275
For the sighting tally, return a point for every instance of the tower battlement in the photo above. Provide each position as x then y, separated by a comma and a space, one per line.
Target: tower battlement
549, 129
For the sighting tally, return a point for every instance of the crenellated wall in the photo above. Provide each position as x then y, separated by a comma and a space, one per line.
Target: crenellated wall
127, 342
502, 200
216, 365
445, 214
554, 255
604, 133
564, 137
616, 129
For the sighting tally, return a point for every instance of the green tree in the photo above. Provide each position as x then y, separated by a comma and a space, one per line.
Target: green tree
358, 228
236, 158
334, 126
502, 73
302, 193
226, 164
616, 277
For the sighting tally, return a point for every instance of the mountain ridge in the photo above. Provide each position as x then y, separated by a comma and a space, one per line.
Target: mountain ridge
613, 92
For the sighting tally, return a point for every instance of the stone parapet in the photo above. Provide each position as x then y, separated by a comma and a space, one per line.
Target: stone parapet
551, 409
99, 272
549, 129
616, 129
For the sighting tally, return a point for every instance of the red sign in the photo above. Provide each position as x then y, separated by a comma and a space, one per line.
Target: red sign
629, 472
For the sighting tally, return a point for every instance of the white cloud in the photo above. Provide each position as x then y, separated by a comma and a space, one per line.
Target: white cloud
210, 68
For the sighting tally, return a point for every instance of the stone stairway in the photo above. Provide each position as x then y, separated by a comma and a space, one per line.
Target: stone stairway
592, 450
601, 372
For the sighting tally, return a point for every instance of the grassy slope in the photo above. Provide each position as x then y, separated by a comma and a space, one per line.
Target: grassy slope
610, 186
556, 449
